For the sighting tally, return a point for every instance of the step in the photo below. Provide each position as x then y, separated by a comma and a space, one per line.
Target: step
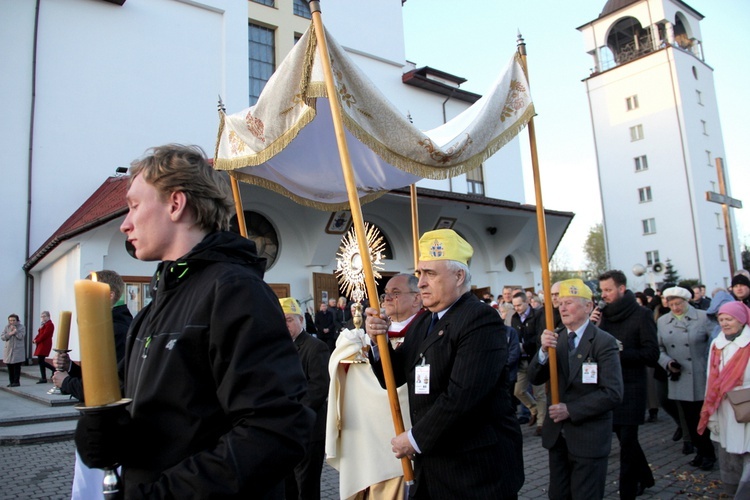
28, 414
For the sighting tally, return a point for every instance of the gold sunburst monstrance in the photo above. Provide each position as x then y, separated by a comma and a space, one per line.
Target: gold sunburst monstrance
349, 267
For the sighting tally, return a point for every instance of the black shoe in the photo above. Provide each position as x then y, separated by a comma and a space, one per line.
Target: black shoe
697, 461
687, 448
652, 414
708, 464
15, 384
677, 434
42, 381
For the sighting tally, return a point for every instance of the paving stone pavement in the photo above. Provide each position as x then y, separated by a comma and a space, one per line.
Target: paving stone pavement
45, 471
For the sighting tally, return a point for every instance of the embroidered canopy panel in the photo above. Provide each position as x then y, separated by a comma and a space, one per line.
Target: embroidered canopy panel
286, 141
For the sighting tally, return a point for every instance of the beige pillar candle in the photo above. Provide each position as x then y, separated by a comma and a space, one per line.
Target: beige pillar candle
97, 343
63, 331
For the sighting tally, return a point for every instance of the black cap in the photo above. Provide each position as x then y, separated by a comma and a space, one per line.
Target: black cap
741, 279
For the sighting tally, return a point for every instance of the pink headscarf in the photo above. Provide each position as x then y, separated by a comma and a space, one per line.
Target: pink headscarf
737, 310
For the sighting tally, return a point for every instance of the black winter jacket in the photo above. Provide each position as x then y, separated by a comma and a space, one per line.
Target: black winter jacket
215, 381
634, 326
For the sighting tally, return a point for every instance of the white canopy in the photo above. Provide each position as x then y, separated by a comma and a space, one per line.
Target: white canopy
286, 142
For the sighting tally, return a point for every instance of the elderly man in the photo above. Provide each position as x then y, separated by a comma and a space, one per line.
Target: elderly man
403, 304
304, 482
214, 380
464, 443
578, 430
362, 457
634, 327
526, 320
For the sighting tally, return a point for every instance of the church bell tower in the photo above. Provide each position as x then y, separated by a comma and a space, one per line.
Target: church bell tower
657, 136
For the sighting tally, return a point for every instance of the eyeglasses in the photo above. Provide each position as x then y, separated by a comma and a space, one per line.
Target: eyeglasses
393, 295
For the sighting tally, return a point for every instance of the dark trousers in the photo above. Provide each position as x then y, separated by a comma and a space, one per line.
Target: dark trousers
634, 467
14, 373
575, 477
304, 482
43, 366
702, 442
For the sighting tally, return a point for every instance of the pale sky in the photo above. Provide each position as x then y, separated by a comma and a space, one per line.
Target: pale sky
475, 38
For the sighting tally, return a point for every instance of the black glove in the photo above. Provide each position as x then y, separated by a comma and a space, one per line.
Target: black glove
101, 437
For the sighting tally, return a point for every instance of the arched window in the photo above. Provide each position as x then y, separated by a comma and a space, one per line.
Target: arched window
387, 247
262, 232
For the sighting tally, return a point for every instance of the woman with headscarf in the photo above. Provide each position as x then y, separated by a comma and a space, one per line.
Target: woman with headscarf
729, 370
684, 334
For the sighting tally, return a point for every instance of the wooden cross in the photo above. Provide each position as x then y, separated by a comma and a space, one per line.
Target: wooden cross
726, 202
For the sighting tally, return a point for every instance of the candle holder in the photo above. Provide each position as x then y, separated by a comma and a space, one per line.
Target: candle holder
111, 484
56, 390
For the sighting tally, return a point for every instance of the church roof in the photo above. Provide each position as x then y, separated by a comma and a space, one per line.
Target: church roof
107, 203
613, 5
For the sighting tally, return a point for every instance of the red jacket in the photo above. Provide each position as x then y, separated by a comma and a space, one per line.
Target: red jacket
43, 339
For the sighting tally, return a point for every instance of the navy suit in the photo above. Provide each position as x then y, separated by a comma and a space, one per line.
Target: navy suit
586, 435
469, 439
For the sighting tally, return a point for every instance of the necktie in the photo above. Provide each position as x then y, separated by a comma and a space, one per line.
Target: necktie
432, 323
571, 341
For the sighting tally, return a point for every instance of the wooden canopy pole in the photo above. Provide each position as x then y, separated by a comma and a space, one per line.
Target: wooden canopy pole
359, 226
232, 179
414, 224
542, 230
238, 204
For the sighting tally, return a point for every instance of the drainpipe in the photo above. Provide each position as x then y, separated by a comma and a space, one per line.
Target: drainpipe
29, 285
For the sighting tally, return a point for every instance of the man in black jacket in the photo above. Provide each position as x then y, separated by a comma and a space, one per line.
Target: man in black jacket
635, 329
304, 483
325, 324
214, 380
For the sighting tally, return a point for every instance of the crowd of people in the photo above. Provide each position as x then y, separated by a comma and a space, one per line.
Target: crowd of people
235, 393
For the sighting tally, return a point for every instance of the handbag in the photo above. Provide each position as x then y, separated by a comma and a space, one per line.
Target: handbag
740, 401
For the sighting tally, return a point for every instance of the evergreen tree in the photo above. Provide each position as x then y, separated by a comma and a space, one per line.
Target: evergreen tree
670, 273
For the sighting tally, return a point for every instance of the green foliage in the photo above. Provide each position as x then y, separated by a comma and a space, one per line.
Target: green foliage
595, 251
746, 258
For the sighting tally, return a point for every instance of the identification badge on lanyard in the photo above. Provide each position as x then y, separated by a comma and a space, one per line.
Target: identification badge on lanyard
422, 378
590, 370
